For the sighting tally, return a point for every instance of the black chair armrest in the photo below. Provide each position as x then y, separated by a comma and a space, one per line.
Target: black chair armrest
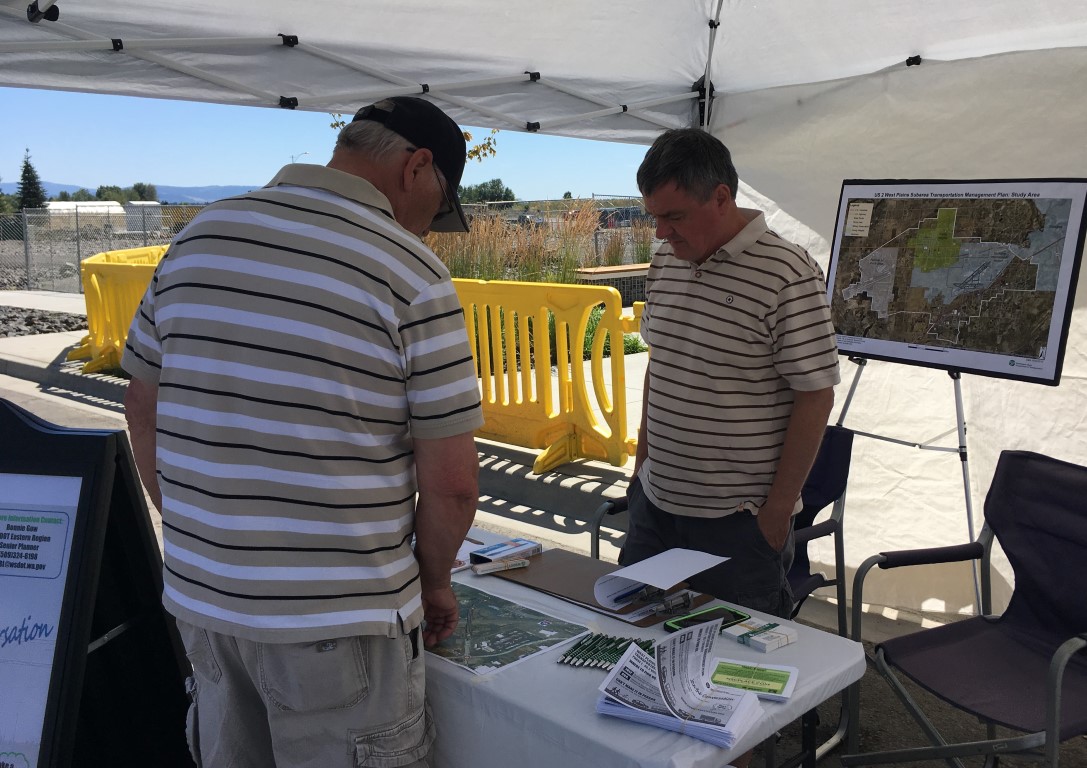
931, 555
614, 506
825, 528
1063, 655
899, 558
609, 507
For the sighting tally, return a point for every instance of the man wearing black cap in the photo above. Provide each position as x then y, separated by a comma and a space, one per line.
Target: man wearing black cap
303, 402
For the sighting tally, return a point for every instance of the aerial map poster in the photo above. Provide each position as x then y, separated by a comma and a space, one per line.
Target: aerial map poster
969, 276
494, 633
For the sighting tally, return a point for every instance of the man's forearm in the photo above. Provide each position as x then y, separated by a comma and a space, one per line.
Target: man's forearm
448, 473
440, 527
141, 402
642, 451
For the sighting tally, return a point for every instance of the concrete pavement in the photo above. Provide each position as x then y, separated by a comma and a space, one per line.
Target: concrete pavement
50, 301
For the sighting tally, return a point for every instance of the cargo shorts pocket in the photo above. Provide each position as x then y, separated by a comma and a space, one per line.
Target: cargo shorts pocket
200, 654
401, 745
313, 677
192, 722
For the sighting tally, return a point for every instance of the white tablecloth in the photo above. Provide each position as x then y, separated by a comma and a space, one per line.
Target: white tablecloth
540, 714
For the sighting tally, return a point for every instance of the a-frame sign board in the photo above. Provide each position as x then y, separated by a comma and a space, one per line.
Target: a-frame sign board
91, 669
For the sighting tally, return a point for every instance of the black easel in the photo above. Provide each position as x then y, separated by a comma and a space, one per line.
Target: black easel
960, 425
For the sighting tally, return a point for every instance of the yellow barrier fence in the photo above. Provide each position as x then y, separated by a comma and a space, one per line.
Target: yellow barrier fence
580, 412
113, 284
521, 332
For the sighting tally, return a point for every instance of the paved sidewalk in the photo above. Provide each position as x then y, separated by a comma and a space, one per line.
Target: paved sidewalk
50, 301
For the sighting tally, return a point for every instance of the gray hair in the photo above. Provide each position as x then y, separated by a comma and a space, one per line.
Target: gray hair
371, 139
694, 159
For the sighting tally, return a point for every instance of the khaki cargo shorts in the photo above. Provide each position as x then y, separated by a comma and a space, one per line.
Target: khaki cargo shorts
350, 701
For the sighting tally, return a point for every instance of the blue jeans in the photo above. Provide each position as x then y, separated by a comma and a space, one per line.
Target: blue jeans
753, 577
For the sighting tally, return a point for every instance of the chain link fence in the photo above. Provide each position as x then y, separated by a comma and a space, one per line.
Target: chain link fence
41, 249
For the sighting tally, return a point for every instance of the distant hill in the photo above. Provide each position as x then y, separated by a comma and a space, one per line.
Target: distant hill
166, 194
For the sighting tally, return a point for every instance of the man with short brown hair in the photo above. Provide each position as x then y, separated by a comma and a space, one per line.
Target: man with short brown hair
740, 380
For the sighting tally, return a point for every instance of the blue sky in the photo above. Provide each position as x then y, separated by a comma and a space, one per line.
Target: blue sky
92, 139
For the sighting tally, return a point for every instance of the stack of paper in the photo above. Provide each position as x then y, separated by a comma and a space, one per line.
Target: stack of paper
671, 690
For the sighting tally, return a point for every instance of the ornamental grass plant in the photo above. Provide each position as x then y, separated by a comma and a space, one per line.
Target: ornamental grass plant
500, 248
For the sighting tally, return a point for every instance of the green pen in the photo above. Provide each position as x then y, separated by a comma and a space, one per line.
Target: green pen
606, 651
573, 652
584, 653
583, 649
616, 653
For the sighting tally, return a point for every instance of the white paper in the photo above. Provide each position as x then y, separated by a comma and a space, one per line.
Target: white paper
663, 571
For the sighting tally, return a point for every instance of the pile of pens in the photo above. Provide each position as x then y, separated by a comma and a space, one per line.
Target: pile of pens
601, 651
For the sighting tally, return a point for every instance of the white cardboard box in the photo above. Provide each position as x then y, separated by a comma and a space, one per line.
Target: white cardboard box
761, 635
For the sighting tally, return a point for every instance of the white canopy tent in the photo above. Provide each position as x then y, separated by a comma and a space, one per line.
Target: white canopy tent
806, 94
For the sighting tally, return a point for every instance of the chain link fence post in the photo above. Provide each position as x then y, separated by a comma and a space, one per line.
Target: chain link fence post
26, 247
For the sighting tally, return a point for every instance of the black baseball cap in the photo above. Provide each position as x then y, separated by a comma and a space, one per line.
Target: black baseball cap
427, 127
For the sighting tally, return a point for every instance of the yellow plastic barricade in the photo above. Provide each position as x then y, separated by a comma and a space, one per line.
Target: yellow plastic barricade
521, 333
113, 284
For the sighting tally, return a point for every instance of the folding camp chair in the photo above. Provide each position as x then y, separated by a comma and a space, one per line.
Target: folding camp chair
825, 486
1018, 670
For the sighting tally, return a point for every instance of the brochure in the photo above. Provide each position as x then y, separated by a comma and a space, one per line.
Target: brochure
674, 689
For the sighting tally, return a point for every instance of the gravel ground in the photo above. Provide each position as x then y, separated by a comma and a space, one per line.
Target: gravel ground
16, 321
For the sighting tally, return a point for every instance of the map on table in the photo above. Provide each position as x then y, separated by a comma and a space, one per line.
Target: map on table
974, 277
494, 633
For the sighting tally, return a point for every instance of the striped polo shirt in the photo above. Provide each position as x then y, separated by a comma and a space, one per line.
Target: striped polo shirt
730, 340
300, 338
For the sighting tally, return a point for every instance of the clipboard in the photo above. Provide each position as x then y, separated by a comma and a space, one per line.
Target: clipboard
570, 576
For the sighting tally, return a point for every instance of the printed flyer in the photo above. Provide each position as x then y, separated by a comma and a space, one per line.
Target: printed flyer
37, 514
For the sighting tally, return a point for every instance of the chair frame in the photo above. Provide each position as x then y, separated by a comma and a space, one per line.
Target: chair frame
1044, 745
610, 508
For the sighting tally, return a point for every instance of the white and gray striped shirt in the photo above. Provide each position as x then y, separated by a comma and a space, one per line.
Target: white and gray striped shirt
300, 338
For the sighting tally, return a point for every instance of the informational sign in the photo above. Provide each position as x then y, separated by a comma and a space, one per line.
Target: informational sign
91, 668
968, 276
36, 523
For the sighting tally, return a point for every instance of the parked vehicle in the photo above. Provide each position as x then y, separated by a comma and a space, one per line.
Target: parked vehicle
626, 216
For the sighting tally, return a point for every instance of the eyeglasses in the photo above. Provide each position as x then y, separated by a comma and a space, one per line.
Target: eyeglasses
448, 207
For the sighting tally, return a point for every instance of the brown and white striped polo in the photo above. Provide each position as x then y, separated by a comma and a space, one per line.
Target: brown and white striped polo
730, 340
